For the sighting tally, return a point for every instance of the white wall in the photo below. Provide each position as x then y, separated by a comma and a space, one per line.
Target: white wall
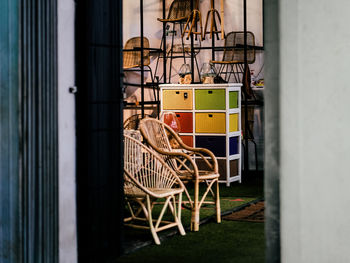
315, 128
66, 111
153, 30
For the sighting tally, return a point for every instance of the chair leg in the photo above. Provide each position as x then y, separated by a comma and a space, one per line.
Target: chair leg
215, 25
155, 71
182, 42
195, 208
206, 25
150, 221
221, 69
186, 25
217, 203
195, 59
178, 216
171, 53
192, 23
228, 73
200, 23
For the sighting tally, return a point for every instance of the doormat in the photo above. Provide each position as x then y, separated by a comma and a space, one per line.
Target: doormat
252, 213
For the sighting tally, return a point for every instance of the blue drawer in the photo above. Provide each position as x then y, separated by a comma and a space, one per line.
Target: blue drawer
217, 144
233, 145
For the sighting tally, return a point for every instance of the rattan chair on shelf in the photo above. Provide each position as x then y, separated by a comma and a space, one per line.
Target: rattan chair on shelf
232, 62
132, 60
148, 178
179, 12
193, 20
212, 15
185, 161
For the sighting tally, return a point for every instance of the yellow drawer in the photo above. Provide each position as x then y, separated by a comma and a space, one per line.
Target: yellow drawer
177, 99
234, 125
210, 122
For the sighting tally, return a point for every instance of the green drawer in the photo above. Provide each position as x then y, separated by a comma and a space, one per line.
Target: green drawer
210, 99
233, 98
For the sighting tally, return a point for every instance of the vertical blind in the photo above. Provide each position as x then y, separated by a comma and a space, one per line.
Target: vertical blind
39, 143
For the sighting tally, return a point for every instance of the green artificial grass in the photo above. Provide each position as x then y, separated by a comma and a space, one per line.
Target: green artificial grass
229, 241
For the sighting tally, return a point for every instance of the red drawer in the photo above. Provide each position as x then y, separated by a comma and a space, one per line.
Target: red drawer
187, 139
185, 119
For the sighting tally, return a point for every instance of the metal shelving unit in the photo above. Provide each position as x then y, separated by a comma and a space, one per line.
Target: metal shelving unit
143, 105
214, 48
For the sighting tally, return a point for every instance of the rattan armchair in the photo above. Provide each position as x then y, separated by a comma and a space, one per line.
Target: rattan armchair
184, 161
148, 178
233, 58
132, 123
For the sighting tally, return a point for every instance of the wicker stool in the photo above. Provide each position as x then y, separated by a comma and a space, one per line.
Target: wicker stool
212, 14
179, 12
192, 23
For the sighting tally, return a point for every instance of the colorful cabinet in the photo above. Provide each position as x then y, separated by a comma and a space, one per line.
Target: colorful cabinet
209, 117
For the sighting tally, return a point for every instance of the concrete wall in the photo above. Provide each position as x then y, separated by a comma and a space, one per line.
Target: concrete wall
315, 128
66, 109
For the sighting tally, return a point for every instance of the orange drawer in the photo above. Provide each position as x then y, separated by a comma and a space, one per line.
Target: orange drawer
187, 139
186, 121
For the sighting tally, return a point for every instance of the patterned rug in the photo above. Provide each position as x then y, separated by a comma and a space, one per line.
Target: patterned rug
251, 213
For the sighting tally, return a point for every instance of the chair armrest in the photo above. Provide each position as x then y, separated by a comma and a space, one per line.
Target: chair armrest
197, 150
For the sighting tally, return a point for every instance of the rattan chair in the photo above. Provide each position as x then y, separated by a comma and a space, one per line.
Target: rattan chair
179, 12
212, 15
132, 123
184, 160
232, 62
148, 178
191, 25
132, 59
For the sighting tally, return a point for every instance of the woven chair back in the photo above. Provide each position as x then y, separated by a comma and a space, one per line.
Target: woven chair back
132, 123
156, 133
132, 59
179, 10
143, 168
236, 40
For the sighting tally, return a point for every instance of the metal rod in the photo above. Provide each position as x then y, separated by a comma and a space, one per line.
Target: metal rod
212, 36
164, 45
246, 124
142, 62
218, 48
192, 50
222, 20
